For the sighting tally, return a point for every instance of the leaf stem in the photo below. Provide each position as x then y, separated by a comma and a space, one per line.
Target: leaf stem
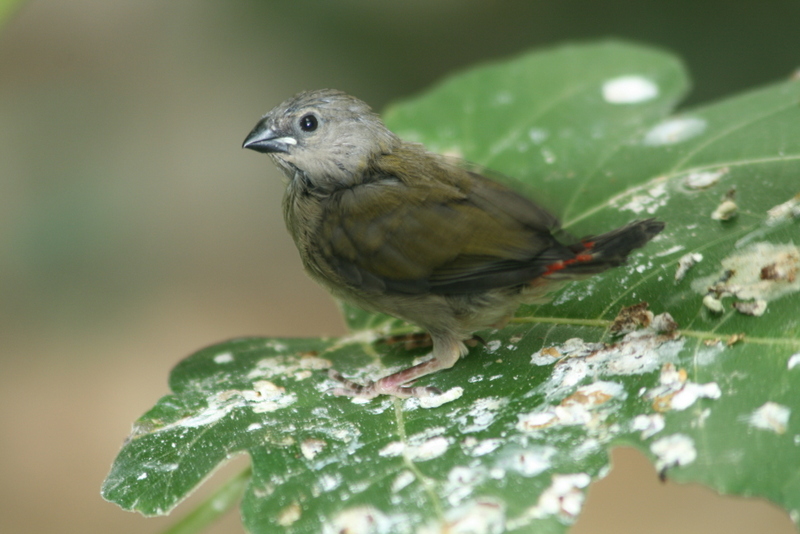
791, 342
424, 480
602, 323
215, 506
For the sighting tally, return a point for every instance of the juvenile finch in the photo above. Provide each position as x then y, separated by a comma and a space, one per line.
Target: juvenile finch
392, 228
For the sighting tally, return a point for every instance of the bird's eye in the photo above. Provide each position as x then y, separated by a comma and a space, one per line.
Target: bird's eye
308, 123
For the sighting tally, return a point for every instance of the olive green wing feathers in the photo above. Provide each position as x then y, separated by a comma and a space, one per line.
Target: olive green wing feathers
460, 233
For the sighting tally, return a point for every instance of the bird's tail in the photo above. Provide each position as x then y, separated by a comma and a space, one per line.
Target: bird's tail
595, 254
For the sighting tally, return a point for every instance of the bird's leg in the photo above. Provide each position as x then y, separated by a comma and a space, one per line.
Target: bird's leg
475, 340
446, 353
417, 340
410, 341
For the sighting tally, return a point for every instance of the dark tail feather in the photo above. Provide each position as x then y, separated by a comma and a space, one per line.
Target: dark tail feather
598, 253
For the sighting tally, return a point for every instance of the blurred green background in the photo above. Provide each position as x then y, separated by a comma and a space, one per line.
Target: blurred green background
134, 230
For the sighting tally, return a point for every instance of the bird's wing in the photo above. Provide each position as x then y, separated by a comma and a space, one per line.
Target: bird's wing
460, 235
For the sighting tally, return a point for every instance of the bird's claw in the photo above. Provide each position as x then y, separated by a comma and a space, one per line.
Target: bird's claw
384, 386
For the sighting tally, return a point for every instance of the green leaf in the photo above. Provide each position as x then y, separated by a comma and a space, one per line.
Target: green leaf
591, 130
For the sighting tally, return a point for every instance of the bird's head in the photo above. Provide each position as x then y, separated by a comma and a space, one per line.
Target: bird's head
328, 136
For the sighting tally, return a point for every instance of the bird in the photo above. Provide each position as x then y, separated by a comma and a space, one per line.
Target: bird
391, 227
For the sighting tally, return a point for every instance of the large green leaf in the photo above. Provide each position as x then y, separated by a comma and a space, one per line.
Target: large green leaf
531, 416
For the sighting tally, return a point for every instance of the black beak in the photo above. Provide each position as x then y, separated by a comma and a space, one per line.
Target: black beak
264, 139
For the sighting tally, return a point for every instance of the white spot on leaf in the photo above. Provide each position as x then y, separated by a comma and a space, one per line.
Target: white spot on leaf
669, 251
432, 448
655, 198
727, 210
764, 271
548, 156
675, 130
327, 482
784, 212
713, 303
503, 98
483, 516
649, 425
493, 345
289, 514
638, 352
675, 392
403, 479
268, 397
580, 408
564, 497
311, 447
481, 414
756, 307
630, 89
225, 357
359, 520
673, 450
295, 365
395, 448
434, 401
691, 391
704, 179
538, 135
686, 262
218, 406
771, 416
484, 446
527, 462
427, 450
461, 481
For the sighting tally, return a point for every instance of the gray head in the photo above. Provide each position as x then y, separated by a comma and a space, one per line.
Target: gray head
328, 136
